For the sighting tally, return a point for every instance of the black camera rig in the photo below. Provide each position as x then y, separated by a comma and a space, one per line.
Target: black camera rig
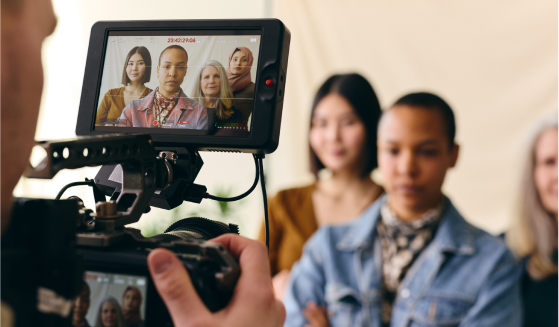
135, 175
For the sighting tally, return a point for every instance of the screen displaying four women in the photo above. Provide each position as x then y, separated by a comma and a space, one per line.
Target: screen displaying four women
227, 92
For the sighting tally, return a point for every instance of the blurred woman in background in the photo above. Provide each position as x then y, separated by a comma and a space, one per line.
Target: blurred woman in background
238, 73
109, 314
533, 236
136, 72
342, 139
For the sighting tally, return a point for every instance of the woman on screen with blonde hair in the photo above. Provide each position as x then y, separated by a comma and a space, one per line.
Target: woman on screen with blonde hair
212, 90
136, 72
109, 314
533, 236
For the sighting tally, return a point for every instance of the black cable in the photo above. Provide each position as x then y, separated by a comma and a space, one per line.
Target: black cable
265, 198
88, 182
217, 198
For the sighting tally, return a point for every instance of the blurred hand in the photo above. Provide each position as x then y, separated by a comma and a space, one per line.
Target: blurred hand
316, 315
279, 281
253, 302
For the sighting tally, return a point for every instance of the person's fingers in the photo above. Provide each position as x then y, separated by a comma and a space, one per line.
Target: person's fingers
254, 287
175, 288
252, 255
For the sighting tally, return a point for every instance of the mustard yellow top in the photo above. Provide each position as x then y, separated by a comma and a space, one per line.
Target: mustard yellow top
110, 108
292, 222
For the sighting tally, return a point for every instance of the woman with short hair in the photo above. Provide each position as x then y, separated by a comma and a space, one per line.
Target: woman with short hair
533, 235
136, 72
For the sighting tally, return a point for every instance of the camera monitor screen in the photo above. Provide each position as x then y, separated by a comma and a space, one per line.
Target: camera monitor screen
207, 85
200, 82
111, 300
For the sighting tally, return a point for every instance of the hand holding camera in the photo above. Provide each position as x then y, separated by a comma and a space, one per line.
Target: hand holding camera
253, 302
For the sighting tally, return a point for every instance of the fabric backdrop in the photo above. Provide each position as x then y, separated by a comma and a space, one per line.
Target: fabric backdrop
495, 62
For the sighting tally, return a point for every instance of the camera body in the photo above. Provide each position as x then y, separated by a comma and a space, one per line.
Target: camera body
52, 244
60, 259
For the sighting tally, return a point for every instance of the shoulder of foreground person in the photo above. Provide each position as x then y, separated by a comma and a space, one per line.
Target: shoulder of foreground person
322, 258
479, 267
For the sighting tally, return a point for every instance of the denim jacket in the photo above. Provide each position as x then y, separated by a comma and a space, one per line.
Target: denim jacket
464, 277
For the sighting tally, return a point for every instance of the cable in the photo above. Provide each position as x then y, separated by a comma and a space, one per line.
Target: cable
87, 182
265, 198
217, 198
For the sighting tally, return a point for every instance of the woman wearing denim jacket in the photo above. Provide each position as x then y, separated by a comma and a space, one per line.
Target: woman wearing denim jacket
410, 259
533, 235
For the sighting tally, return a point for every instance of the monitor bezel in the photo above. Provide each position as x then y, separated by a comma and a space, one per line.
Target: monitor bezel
267, 110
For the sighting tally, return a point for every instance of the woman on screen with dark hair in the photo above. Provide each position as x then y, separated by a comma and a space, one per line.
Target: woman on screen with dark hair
238, 73
212, 90
136, 72
131, 304
109, 314
342, 139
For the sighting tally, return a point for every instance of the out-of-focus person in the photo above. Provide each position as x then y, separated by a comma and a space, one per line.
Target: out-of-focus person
342, 140
81, 307
109, 314
131, 304
240, 79
410, 259
136, 72
533, 235
167, 106
212, 90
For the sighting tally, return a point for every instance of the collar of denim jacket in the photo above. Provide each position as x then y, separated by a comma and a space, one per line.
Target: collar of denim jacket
454, 234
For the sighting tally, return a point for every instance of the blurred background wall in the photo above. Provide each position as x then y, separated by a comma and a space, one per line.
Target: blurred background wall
495, 62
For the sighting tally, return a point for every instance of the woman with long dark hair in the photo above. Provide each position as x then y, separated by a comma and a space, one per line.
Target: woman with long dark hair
136, 72
343, 151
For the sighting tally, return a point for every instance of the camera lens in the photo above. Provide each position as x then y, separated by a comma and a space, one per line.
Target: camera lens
196, 228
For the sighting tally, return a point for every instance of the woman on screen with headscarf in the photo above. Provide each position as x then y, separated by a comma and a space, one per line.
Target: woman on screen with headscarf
131, 304
238, 72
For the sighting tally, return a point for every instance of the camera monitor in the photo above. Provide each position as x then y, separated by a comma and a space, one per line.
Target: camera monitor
201, 84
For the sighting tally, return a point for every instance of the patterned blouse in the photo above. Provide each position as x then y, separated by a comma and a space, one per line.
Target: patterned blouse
401, 243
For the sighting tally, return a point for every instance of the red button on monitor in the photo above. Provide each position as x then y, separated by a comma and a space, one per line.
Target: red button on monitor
269, 82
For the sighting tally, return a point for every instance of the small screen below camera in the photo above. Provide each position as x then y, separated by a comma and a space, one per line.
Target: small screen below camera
110, 300
196, 82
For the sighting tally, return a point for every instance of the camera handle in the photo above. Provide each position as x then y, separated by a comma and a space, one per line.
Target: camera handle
134, 153
168, 176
